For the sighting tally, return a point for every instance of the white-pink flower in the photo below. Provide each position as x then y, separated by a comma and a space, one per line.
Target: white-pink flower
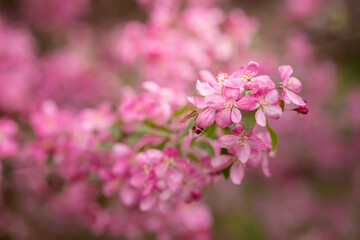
241, 143
290, 86
268, 106
246, 78
226, 104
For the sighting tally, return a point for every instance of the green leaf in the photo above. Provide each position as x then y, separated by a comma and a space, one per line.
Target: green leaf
155, 126
274, 137
7, 168
206, 147
210, 132
248, 119
224, 151
226, 171
147, 130
186, 131
116, 130
181, 111
105, 145
192, 157
282, 105
232, 126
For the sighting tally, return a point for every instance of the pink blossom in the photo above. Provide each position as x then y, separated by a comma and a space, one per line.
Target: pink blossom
226, 104
268, 107
8, 142
206, 118
241, 143
291, 86
246, 78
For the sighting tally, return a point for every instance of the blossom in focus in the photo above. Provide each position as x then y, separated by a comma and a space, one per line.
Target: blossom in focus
290, 86
241, 143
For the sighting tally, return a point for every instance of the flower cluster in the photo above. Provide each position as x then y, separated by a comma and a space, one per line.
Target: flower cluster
236, 102
141, 159
139, 165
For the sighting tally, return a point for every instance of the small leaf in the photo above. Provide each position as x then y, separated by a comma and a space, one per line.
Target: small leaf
192, 157
153, 125
232, 126
282, 104
186, 131
181, 111
210, 132
248, 119
105, 145
190, 115
226, 171
274, 137
206, 147
116, 130
224, 151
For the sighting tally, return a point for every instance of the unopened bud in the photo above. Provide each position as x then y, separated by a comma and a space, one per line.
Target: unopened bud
302, 110
197, 130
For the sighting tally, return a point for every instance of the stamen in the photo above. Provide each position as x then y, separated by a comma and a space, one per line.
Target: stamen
242, 140
222, 77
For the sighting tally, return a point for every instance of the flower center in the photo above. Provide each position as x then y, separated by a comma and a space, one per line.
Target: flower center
290, 82
264, 103
248, 75
242, 140
230, 104
222, 77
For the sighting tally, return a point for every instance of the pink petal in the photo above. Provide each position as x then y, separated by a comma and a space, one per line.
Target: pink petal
208, 77
285, 72
237, 173
227, 141
273, 111
119, 168
232, 94
296, 99
205, 118
155, 156
234, 83
215, 102
170, 151
236, 115
272, 97
221, 162
174, 179
285, 97
257, 143
205, 89
260, 118
247, 103
198, 102
138, 179
253, 67
265, 165
294, 84
128, 195
264, 82
149, 187
238, 74
183, 164
238, 129
147, 202
223, 118
243, 152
